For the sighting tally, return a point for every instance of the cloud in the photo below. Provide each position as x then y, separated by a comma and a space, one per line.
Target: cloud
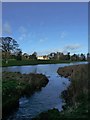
22, 30
43, 39
25, 37
7, 28
44, 52
63, 34
22, 37
48, 51
71, 48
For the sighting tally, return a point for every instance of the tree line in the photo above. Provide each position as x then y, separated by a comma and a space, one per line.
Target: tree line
10, 50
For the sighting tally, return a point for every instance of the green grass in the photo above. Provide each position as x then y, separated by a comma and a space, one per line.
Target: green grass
33, 62
15, 85
10, 95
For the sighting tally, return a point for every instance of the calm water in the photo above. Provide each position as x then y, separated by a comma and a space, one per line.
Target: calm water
47, 98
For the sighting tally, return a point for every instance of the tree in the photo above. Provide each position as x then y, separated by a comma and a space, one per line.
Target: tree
33, 56
68, 55
19, 54
82, 57
52, 55
88, 57
8, 45
74, 57
25, 56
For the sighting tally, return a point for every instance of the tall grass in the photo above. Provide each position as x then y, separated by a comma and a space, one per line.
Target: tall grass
78, 89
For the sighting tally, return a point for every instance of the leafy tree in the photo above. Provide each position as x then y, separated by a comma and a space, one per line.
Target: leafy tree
74, 57
25, 56
83, 57
68, 55
52, 55
8, 45
19, 54
33, 56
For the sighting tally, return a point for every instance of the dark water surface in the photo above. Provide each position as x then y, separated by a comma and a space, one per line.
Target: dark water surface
48, 97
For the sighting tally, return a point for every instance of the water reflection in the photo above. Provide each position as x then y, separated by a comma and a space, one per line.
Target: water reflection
47, 98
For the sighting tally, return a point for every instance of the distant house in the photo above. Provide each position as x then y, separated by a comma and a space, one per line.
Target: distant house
43, 57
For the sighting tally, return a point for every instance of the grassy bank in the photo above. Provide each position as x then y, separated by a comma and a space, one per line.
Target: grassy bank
15, 85
78, 89
33, 62
76, 96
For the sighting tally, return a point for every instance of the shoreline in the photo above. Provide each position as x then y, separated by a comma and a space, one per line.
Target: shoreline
36, 62
76, 95
16, 85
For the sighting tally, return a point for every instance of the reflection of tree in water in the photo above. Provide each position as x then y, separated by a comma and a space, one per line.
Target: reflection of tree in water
35, 69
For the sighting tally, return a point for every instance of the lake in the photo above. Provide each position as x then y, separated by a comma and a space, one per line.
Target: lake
49, 96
